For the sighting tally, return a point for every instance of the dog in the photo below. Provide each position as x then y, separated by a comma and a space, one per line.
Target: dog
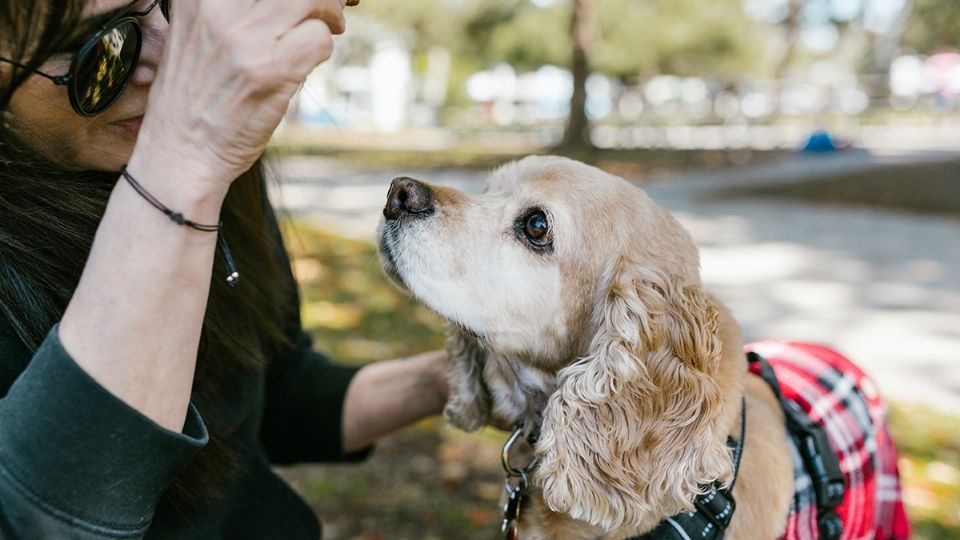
576, 312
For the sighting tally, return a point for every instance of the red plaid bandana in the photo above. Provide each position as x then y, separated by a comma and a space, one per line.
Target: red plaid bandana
836, 394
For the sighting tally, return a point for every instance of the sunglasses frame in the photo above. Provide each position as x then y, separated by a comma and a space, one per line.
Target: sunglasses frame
82, 56
70, 78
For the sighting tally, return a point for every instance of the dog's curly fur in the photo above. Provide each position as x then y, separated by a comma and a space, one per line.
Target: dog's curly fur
607, 343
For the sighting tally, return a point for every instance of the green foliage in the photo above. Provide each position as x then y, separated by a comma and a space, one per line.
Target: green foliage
933, 25
532, 37
929, 444
632, 38
677, 37
427, 23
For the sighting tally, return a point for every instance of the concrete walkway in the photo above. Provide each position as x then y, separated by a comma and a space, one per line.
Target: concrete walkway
882, 287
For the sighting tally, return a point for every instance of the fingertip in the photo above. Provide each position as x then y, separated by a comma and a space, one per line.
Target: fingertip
340, 27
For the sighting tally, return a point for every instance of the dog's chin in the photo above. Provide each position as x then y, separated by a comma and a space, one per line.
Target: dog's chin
467, 330
388, 260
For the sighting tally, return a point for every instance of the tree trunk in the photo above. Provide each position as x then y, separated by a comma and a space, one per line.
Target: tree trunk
791, 39
578, 126
792, 32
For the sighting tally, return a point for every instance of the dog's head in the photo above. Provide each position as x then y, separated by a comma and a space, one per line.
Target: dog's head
574, 271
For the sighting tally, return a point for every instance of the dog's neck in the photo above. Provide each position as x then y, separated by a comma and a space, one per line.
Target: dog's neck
524, 389
732, 372
730, 377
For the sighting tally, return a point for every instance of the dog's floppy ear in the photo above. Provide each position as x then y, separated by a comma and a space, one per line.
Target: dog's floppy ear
468, 406
630, 435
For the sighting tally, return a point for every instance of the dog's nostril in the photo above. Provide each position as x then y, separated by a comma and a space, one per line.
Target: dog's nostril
407, 196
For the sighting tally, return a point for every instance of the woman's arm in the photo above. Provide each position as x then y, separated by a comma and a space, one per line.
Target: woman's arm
386, 396
83, 449
134, 322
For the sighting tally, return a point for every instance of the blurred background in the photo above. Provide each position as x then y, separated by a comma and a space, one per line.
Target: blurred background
812, 147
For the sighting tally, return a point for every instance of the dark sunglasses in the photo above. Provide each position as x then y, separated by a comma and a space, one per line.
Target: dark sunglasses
104, 65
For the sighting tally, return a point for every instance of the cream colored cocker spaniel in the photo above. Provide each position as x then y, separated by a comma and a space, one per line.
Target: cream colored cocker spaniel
576, 308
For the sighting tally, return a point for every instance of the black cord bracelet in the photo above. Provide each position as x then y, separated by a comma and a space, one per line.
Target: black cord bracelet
233, 276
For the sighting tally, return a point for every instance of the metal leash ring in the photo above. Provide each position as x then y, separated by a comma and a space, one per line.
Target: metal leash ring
516, 484
511, 470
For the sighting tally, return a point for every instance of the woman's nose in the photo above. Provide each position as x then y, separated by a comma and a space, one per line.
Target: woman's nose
407, 196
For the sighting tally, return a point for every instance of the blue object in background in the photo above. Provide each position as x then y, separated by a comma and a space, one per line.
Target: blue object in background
820, 142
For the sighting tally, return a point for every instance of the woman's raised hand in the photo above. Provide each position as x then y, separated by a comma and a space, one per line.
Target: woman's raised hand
229, 70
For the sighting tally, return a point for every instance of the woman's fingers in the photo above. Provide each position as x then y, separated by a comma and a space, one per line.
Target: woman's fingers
229, 72
286, 14
305, 46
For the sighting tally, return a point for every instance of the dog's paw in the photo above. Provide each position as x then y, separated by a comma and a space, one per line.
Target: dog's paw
465, 416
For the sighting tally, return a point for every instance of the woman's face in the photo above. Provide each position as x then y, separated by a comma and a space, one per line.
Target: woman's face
40, 111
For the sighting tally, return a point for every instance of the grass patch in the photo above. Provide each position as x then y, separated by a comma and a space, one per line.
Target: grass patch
929, 444
348, 305
432, 482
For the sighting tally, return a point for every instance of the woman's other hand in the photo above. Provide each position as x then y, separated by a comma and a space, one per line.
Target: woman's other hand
386, 396
229, 70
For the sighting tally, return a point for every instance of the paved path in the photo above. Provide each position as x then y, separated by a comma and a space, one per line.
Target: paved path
882, 287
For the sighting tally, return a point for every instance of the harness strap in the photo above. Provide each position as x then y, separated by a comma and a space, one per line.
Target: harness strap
818, 457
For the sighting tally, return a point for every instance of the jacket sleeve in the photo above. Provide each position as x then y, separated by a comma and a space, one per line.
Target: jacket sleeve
75, 461
305, 390
302, 420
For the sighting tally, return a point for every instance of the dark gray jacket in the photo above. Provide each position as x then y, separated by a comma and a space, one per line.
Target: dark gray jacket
76, 462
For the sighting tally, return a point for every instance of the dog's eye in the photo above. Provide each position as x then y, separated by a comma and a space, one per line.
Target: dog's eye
536, 227
533, 229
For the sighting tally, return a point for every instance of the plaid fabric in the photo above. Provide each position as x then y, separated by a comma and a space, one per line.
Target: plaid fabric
837, 395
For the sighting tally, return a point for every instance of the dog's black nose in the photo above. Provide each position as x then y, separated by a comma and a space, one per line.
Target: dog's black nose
407, 196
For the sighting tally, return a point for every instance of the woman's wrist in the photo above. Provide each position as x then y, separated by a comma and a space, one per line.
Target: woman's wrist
182, 186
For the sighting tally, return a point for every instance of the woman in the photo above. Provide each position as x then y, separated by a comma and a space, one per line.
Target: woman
138, 395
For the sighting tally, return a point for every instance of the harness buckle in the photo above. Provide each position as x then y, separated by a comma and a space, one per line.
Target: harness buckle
830, 525
717, 507
828, 481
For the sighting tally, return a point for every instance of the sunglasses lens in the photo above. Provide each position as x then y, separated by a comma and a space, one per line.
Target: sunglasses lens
165, 9
104, 67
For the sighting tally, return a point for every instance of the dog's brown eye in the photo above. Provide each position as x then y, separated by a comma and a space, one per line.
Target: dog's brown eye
536, 227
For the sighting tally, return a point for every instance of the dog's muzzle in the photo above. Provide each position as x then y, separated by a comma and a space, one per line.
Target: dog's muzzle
408, 198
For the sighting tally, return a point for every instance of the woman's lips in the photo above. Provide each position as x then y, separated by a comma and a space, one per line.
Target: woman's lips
130, 125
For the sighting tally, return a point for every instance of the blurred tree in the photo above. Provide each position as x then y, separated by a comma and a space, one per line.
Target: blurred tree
641, 38
581, 32
631, 37
426, 23
626, 39
530, 37
792, 23
933, 25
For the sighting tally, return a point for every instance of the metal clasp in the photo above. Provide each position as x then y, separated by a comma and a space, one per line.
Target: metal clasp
516, 484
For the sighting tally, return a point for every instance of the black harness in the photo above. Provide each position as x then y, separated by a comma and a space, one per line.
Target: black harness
819, 460
714, 510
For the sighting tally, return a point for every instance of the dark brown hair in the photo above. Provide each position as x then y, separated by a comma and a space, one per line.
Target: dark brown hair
48, 217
